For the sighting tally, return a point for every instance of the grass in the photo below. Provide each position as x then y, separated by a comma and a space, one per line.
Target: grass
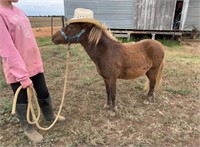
7, 105
172, 120
2, 83
6, 112
182, 92
44, 41
174, 44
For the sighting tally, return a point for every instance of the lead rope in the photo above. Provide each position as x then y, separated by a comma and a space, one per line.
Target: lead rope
31, 95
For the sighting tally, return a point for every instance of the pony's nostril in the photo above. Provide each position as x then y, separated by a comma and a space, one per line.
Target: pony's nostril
55, 41
52, 39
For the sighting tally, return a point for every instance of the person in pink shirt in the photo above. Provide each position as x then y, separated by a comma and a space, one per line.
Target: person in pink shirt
22, 64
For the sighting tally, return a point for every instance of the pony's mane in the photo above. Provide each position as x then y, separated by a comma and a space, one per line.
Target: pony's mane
96, 33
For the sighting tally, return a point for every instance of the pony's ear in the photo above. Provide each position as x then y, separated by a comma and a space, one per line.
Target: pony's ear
87, 25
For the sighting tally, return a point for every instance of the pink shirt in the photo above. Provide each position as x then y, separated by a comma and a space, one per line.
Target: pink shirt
18, 47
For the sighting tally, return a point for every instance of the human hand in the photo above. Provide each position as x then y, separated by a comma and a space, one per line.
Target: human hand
25, 84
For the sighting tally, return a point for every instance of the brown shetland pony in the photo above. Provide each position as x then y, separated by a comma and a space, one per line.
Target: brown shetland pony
115, 60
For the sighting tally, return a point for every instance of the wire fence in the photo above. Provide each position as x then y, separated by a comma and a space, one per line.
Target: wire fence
46, 21
51, 21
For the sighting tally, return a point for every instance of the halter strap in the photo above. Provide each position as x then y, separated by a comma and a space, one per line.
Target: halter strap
67, 39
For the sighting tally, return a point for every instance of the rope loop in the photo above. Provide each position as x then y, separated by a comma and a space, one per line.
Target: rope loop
32, 97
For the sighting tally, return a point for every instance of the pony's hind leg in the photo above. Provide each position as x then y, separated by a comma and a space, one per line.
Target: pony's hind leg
151, 75
154, 75
151, 90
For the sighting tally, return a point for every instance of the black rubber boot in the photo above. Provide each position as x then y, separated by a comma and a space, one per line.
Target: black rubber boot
29, 130
47, 111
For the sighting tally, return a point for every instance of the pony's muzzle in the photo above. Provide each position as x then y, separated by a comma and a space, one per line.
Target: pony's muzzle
55, 41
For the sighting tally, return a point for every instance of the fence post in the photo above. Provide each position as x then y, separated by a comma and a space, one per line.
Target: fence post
63, 20
51, 25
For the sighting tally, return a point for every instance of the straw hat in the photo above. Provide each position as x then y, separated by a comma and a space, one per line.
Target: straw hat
84, 15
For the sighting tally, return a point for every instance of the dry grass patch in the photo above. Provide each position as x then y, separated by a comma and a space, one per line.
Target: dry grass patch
173, 120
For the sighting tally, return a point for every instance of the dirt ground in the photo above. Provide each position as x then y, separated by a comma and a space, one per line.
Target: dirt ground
173, 120
45, 31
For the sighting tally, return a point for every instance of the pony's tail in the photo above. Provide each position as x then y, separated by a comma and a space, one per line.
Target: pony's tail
158, 78
159, 75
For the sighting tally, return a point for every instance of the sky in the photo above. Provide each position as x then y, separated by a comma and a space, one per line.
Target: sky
41, 7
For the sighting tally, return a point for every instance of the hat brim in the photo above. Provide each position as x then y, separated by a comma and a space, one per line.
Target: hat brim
85, 20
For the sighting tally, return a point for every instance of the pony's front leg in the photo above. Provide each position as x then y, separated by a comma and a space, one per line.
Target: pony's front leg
107, 105
111, 93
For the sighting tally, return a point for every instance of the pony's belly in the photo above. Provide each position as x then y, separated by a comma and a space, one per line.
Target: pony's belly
133, 73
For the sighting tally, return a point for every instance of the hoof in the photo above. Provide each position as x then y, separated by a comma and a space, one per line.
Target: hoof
114, 109
112, 114
60, 118
110, 107
146, 102
151, 99
106, 106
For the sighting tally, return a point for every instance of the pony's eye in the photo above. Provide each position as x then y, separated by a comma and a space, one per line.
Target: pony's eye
71, 27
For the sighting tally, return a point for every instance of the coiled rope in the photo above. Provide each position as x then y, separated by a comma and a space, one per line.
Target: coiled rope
32, 97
